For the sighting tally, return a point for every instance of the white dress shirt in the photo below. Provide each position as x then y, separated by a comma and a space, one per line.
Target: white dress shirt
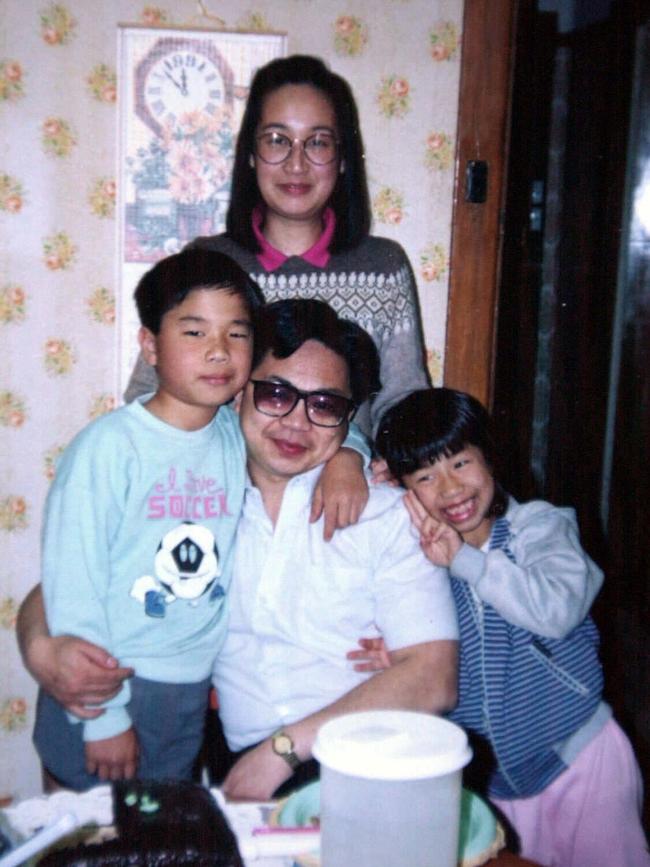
299, 603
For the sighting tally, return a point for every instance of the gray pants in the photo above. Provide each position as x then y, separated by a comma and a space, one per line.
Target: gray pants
168, 719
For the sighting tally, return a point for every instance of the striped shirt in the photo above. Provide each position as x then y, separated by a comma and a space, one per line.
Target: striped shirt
526, 694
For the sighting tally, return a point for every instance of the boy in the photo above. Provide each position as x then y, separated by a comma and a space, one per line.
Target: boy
139, 525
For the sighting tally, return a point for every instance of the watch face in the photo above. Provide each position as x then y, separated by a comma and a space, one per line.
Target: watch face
177, 77
283, 744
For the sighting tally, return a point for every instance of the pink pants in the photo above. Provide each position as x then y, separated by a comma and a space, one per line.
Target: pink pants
590, 815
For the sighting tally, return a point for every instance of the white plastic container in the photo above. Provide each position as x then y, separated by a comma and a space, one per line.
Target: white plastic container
390, 789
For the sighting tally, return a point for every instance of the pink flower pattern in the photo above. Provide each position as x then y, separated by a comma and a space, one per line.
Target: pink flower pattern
59, 100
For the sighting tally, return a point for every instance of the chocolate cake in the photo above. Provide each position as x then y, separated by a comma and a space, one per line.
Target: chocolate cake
158, 824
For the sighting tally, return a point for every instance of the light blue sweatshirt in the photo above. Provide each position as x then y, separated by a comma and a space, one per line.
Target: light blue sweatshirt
137, 544
138, 534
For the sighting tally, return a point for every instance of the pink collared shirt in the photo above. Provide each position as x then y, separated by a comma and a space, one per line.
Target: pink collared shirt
271, 258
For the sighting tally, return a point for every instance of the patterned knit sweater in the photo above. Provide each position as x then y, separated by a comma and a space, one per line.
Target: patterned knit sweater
372, 285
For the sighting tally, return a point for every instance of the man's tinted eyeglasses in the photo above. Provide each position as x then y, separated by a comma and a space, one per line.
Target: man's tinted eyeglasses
323, 408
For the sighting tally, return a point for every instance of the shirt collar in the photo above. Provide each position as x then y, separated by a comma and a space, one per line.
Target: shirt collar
306, 480
271, 258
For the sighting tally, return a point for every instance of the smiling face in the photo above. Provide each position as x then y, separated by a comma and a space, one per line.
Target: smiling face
296, 190
458, 491
280, 448
202, 355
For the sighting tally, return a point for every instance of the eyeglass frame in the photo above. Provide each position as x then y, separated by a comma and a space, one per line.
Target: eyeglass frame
294, 141
304, 395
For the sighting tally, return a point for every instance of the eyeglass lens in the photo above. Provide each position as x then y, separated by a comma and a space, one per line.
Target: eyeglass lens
274, 147
278, 399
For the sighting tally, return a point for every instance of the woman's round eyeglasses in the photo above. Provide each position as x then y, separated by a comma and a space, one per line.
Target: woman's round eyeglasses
323, 408
274, 148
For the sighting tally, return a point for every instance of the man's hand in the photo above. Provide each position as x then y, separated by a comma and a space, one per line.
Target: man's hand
341, 492
373, 655
438, 540
113, 758
74, 671
381, 473
256, 775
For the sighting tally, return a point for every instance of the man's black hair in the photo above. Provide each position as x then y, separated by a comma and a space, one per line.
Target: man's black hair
284, 326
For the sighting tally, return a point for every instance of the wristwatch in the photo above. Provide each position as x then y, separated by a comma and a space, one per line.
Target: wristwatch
283, 746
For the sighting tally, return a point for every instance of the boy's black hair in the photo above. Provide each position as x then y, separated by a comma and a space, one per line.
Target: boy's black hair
433, 423
283, 327
171, 280
350, 200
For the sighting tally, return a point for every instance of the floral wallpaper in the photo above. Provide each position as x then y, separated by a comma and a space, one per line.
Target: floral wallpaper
58, 129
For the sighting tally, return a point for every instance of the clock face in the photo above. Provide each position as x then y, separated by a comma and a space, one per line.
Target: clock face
178, 76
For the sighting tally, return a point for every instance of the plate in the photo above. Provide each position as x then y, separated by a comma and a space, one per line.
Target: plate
481, 836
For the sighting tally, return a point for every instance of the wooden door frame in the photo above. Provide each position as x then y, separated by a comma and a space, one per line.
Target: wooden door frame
482, 134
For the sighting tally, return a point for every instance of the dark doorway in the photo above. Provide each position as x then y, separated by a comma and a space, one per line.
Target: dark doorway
572, 356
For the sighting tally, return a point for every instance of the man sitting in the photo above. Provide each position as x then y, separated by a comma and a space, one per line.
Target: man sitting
299, 603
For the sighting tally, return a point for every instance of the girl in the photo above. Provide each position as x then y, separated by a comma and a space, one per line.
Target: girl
299, 220
530, 681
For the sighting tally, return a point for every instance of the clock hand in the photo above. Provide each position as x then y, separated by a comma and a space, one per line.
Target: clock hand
183, 82
175, 83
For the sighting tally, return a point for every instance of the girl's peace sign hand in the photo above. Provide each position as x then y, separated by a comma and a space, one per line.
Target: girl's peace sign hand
438, 540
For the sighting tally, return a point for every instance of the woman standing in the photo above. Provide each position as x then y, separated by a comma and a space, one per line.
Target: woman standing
299, 220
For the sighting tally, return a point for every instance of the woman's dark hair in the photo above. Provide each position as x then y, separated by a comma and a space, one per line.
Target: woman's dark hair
434, 423
171, 280
283, 326
349, 200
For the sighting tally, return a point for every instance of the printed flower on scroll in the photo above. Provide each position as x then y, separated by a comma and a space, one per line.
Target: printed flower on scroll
443, 39
102, 82
101, 306
59, 252
13, 513
8, 612
102, 197
439, 152
200, 150
152, 16
434, 366
388, 206
58, 137
11, 194
12, 304
12, 410
101, 404
193, 158
13, 714
58, 357
11, 80
50, 459
433, 263
393, 96
350, 35
57, 24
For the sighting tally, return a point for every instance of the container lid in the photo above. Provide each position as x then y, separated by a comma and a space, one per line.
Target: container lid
392, 745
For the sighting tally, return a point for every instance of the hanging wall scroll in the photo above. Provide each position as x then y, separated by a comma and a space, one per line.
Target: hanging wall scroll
181, 99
